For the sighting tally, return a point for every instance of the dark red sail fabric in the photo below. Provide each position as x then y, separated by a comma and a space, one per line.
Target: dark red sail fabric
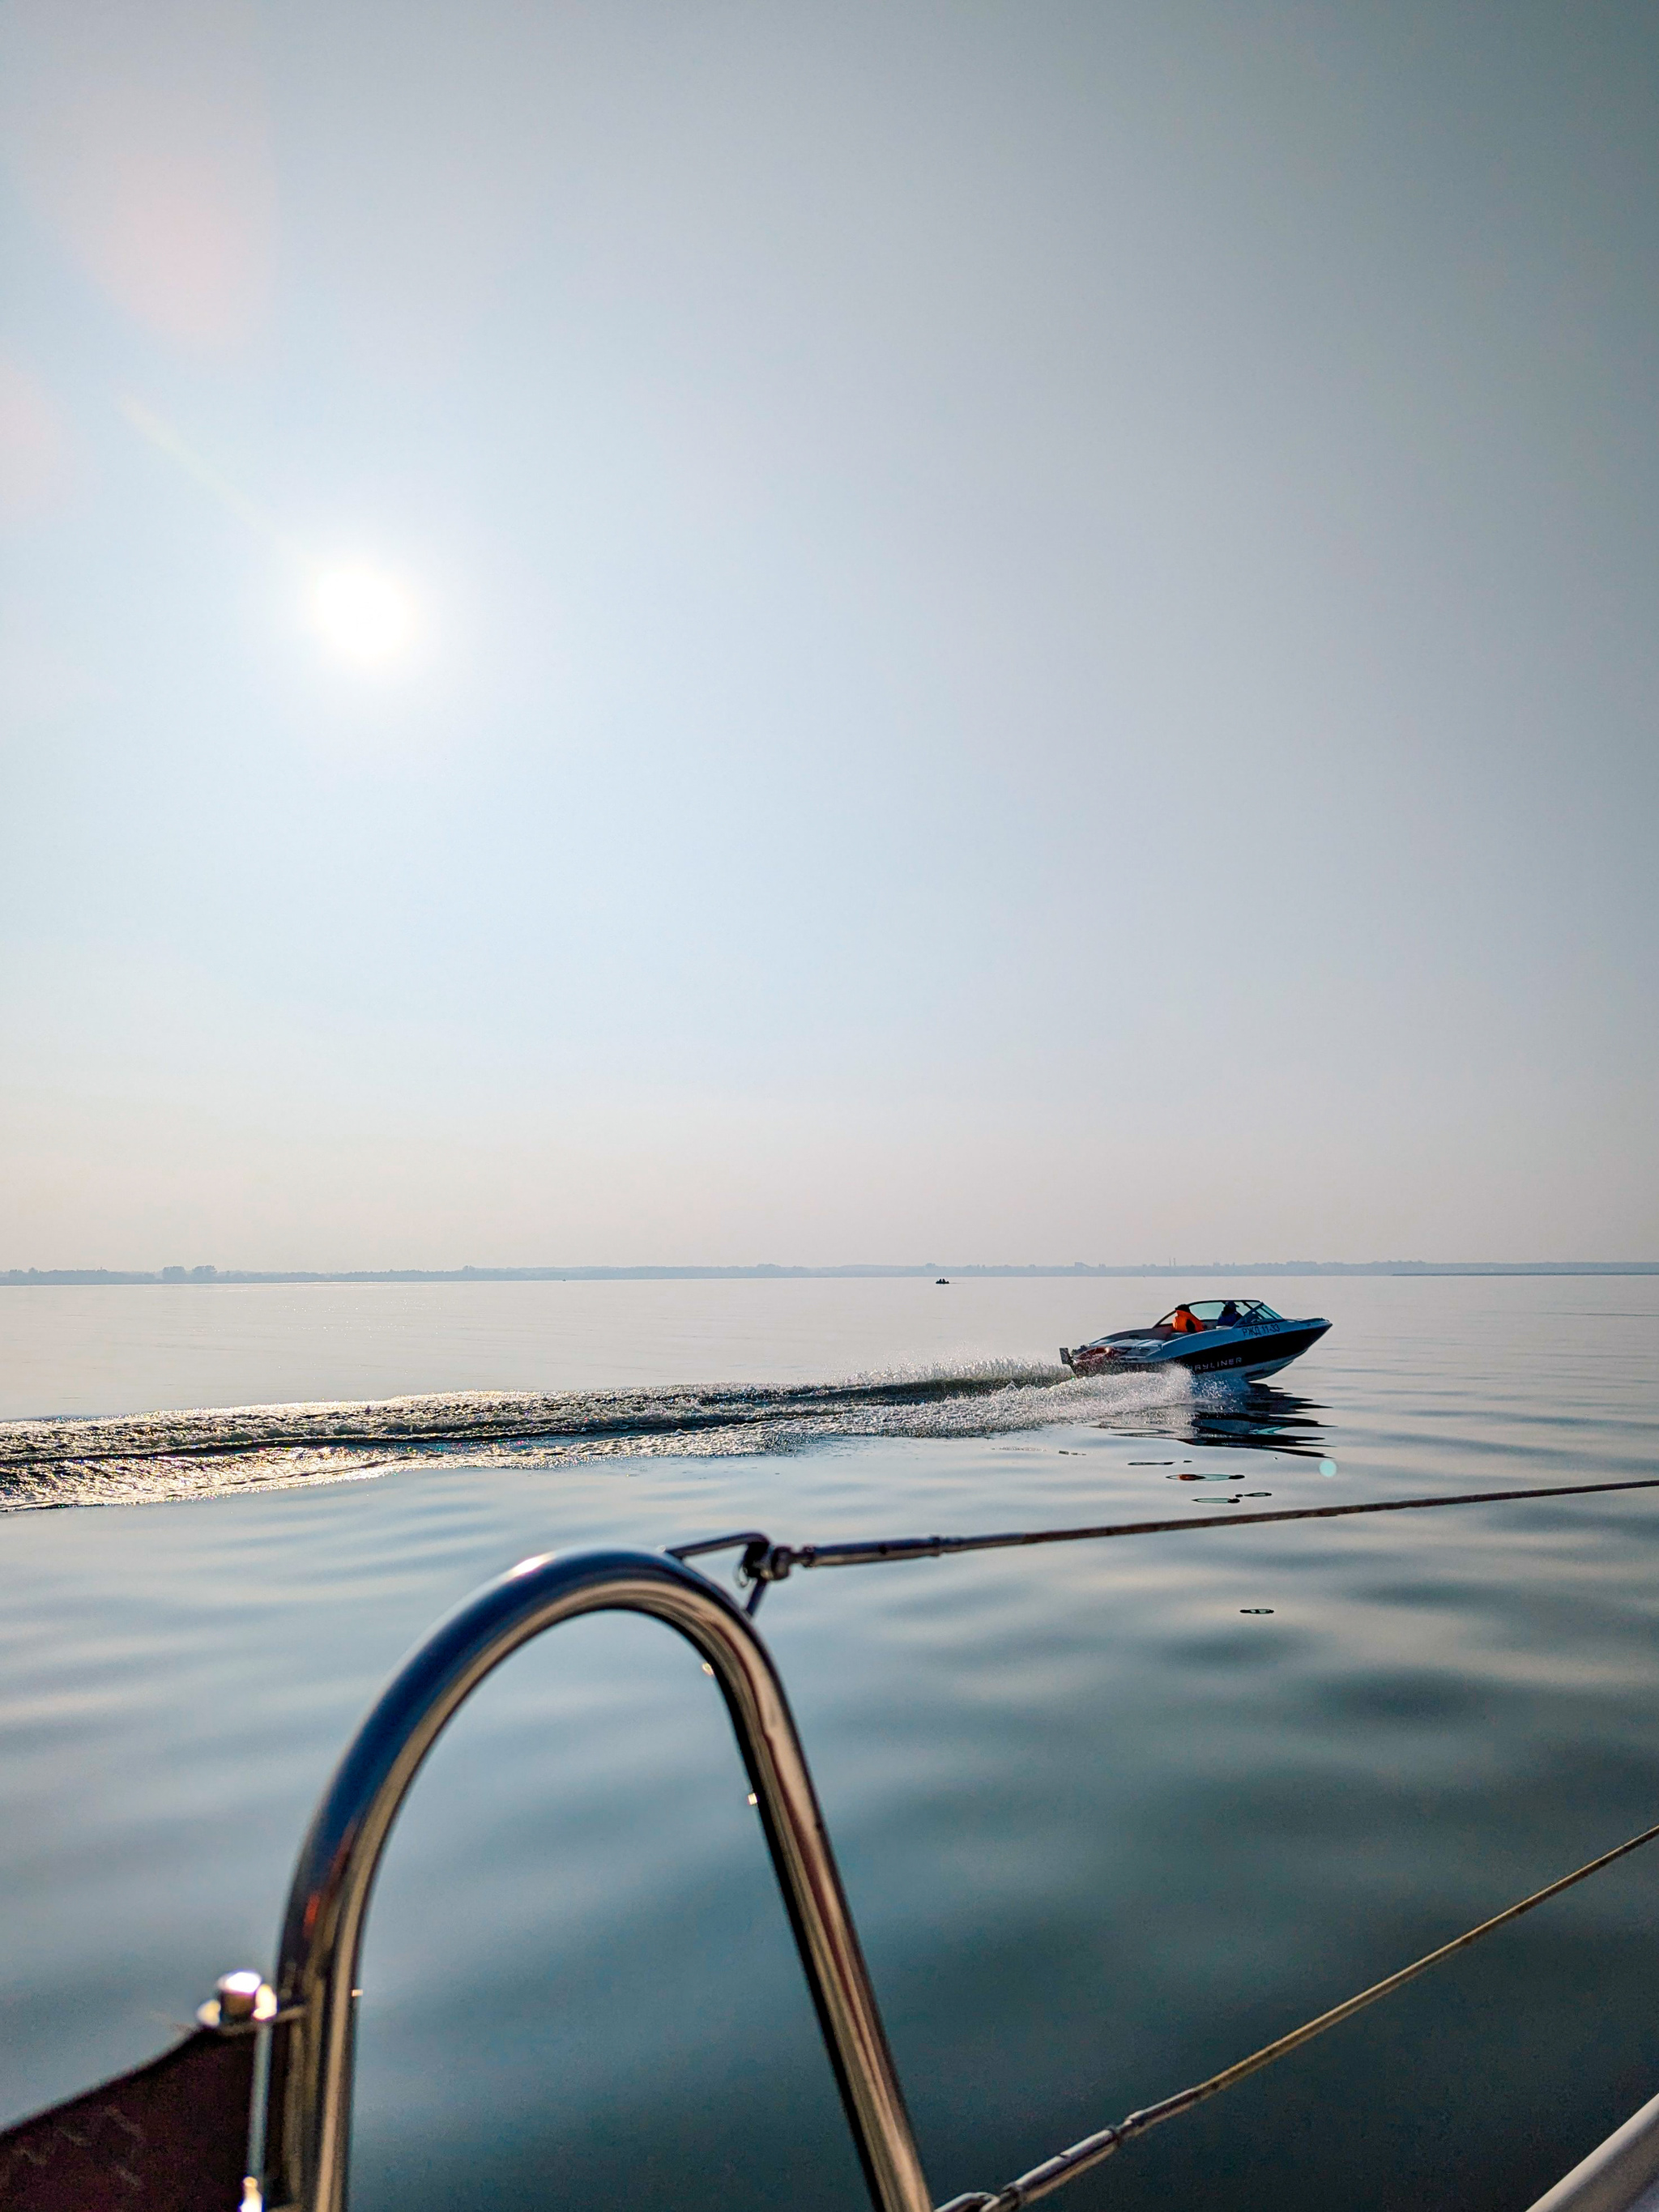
171, 2136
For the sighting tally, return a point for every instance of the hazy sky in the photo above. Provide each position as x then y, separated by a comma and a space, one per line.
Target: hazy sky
1033, 634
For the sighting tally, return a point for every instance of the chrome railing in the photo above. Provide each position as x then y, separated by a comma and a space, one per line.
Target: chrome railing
307, 2119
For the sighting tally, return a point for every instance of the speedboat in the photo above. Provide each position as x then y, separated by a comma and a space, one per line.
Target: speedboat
1211, 1336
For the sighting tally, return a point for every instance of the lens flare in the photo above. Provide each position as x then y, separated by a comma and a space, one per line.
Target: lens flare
365, 615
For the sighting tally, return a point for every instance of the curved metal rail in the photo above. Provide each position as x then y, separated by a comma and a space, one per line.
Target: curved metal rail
308, 2106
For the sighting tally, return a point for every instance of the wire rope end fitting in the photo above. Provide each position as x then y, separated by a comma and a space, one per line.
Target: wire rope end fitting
763, 1563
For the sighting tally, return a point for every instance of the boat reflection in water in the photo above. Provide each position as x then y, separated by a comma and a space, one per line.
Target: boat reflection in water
1246, 1417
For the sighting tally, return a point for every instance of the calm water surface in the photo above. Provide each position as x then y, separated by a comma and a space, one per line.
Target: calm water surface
1105, 1826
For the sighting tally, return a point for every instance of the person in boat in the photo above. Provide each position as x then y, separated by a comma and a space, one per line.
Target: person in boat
1185, 1321
1230, 1317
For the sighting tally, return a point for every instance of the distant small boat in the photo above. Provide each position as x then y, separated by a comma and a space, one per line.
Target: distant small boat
1211, 1336
937, 1280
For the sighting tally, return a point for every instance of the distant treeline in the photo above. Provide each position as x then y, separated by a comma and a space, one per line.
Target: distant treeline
24, 1278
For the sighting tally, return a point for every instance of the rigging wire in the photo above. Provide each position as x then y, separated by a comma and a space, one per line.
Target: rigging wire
764, 1562
1066, 2164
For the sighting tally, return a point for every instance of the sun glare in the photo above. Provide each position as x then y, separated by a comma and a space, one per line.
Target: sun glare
365, 615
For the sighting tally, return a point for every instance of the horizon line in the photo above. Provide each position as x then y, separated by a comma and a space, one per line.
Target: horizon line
173, 1277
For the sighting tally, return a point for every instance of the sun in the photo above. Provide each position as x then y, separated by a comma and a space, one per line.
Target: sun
366, 614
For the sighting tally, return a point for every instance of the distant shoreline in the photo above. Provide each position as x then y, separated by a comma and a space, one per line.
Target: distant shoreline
199, 1277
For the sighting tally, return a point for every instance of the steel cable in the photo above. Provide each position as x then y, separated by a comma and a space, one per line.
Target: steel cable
1066, 2164
765, 1562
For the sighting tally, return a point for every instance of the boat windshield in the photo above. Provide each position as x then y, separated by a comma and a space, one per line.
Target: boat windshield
1217, 1313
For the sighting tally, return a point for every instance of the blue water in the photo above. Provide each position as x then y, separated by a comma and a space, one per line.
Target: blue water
1105, 1825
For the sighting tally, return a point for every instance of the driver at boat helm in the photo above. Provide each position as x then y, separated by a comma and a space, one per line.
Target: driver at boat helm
1230, 1317
1185, 1321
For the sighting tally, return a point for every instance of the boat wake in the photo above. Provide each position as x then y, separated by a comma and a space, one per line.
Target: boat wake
151, 1458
